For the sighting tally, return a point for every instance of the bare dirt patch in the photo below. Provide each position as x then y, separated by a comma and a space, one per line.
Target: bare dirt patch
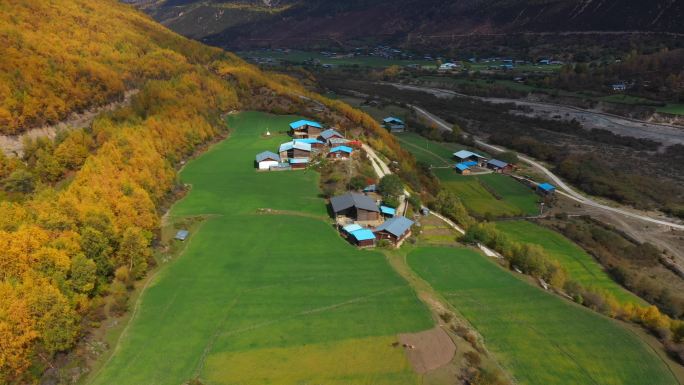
428, 350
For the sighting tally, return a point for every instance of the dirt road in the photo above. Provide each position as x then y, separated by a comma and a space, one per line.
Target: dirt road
590, 119
564, 189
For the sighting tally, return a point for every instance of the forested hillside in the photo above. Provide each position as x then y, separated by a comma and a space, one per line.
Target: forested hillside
78, 215
248, 23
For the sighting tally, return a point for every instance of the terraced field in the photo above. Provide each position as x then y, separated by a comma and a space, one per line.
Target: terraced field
581, 266
264, 297
539, 337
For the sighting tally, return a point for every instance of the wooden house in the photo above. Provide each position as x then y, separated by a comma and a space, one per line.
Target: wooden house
359, 235
340, 152
356, 206
395, 229
329, 135
266, 160
303, 129
294, 150
499, 166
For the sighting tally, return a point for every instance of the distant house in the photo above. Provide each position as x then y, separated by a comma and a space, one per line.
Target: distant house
468, 156
546, 188
544, 62
619, 87
449, 67
182, 235
299, 163
359, 235
499, 166
305, 129
340, 152
334, 142
355, 206
394, 124
330, 134
395, 229
294, 150
266, 160
388, 211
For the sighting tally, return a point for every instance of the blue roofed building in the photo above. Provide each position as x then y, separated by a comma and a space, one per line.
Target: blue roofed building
388, 211
182, 235
546, 188
469, 156
305, 129
295, 149
363, 238
340, 152
462, 169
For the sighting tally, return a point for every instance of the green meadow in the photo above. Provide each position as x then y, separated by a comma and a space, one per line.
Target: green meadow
541, 338
265, 296
581, 266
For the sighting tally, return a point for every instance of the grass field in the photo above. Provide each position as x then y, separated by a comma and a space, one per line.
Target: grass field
675, 109
265, 298
539, 337
581, 266
298, 57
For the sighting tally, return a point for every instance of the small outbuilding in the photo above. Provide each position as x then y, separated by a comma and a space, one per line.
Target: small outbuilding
266, 160
499, 166
334, 142
370, 188
394, 230
462, 169
469, 156
363, 238
305, 129
356, 206
182, 235
340, 152
388, 212
546, 188
298, 163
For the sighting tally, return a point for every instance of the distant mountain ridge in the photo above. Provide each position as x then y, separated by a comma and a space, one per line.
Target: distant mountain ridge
243, 23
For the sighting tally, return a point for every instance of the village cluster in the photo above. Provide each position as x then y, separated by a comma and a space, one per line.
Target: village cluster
309, 139
360, 216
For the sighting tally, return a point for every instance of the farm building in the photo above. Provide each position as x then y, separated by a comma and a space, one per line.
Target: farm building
462, 169
359, 235
388, 211
266, 160
355, 206
546, 188
394, 230
394, 124
294, 150
499, 166
305, 129
330, 134
182, 235
448, 67
468, 156
298, 163
315, 143
340, 152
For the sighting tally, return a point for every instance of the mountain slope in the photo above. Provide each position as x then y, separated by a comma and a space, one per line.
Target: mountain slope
244, 23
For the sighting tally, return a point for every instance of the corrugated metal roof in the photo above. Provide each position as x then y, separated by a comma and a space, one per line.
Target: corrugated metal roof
370, 188
295, 144
465, 154
351, 228
267, 155
338, 141
330, 133
470, 163
343, 202
547, 187
395, 226
388, 210
346, 149
462, 167
301, 123
309, 141
363, 235
497, 163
